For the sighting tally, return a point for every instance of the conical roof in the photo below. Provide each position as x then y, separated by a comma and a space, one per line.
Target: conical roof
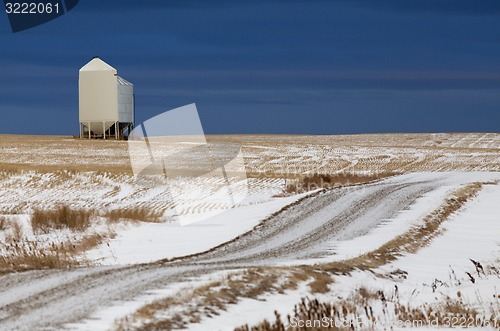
96, 64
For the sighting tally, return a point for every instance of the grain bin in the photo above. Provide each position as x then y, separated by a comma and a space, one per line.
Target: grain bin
106, 101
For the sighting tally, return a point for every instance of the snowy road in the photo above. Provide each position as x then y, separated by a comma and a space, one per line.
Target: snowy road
46, 300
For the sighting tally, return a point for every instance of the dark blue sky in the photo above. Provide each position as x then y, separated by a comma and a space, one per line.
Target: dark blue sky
264, 66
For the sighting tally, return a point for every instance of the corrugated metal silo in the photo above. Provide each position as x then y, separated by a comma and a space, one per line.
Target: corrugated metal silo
125, 101
106, 101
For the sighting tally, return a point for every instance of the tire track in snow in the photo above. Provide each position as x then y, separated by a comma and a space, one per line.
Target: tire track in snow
300, 231
49, 299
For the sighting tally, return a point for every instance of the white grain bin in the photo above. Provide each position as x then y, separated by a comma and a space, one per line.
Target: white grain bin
106, 101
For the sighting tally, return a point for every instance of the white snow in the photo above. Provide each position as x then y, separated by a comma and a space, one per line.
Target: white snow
405, 219
146, 242
473, 233
253, 311
105, 319
390, 228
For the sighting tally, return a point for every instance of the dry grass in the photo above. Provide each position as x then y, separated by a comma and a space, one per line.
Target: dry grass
13, 229
23, 256
16, 168
208, 300
86, 243
49, 154
16, 231
3, 223
320, 282
306, 310
20, 255
471, 152
366, 309
138, 214
205, 300
61, 217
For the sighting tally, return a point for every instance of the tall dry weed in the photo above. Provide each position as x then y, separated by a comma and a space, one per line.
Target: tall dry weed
61, 217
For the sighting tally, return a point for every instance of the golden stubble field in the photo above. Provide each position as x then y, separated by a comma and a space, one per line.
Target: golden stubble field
274, 155
44, 171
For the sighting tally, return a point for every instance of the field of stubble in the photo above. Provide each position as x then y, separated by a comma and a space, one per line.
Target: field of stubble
41, 171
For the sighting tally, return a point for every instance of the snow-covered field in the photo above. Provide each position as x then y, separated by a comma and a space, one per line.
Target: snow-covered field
148, 242
266, 229
430, 277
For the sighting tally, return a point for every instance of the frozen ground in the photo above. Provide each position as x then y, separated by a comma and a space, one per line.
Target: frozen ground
319, 227
48, 299
275, 154
429, 277
148, 242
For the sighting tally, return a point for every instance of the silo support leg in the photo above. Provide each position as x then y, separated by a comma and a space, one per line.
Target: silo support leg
104, 129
